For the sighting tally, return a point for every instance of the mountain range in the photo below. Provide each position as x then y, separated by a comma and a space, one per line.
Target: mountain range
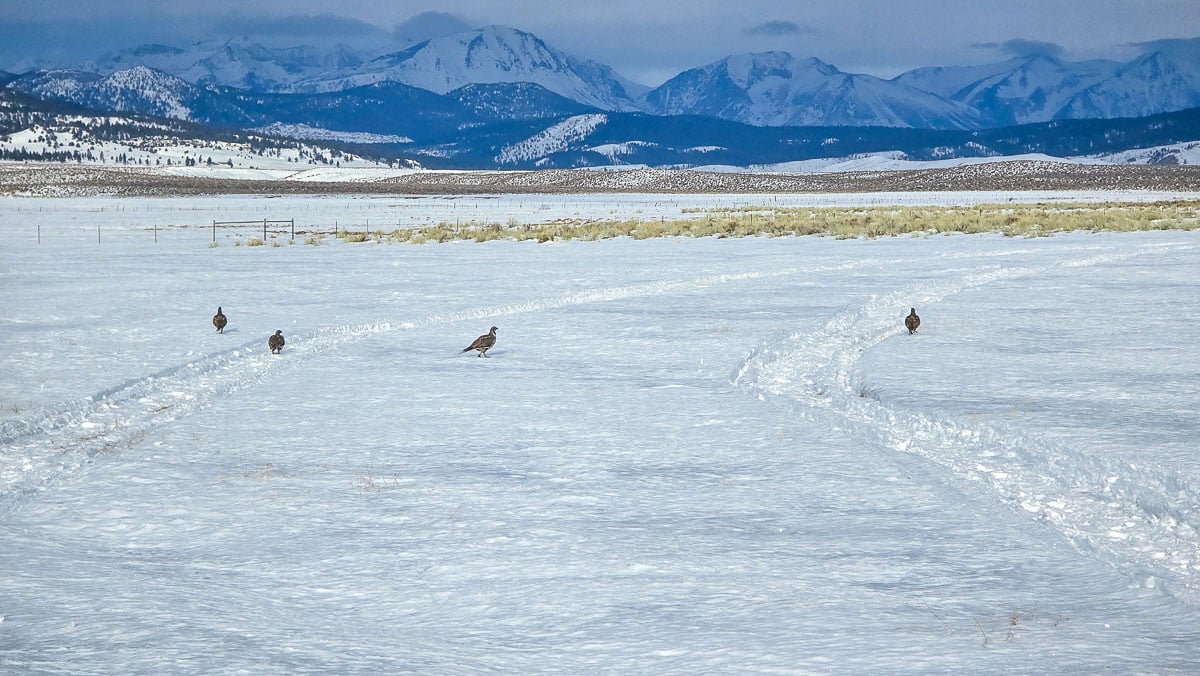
470, 95
765, 89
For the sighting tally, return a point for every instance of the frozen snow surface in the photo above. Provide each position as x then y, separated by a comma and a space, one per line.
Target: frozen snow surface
682, 456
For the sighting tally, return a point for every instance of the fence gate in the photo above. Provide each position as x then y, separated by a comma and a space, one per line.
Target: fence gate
266, 221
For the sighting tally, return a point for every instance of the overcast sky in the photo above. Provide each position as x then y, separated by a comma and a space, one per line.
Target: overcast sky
647, 41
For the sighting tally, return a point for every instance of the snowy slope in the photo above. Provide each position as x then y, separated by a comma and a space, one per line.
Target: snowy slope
683, 456
138, 89
896, 161
1177, 153
555, 138
168, 151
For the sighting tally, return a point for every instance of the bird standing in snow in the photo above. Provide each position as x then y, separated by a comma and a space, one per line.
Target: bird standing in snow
220, 320
912, 321
483, 343
276, 342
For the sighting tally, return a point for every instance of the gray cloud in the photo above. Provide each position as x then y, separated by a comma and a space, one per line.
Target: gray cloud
1024, 48
428, 25
779, 28
64, 43
297, 26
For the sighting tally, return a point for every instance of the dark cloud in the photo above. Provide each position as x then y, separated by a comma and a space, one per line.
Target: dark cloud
296, 26
1182, 46
64, 43
778, 28
428, 25
1024, 48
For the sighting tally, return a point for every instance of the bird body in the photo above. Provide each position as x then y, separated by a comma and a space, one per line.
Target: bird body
276, 342
912, 321
483, 343
220, 320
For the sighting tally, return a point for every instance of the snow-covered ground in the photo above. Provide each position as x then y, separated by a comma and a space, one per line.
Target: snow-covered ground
683, 456
172, 154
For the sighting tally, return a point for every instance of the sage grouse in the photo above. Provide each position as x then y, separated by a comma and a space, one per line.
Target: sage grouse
276, 342
912, 321
219, 321
483, 343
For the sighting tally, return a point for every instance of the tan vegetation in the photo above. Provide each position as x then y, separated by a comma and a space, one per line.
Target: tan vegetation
844, 223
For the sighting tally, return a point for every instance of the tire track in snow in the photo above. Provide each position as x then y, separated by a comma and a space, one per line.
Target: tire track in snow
59, 440
1140, 518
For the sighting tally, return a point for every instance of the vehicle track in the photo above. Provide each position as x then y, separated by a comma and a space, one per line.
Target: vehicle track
1142, 519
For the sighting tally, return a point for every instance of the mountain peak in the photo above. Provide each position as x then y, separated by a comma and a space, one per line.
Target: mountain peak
491, 55
775, 88
751, 68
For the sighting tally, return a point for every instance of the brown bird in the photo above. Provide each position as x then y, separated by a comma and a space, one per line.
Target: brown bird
483, 343
219, 321
276, 342
912, 321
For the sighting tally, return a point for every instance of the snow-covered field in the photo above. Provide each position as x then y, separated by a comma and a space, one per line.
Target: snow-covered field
170, 218
683, 456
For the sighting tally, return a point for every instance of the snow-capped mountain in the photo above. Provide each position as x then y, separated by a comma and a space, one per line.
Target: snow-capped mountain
777, 89
1152, 83
1018, 91
238, 63
1040, 89
491, 55
136, 90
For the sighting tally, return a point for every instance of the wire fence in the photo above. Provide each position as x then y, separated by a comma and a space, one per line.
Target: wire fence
252, 231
